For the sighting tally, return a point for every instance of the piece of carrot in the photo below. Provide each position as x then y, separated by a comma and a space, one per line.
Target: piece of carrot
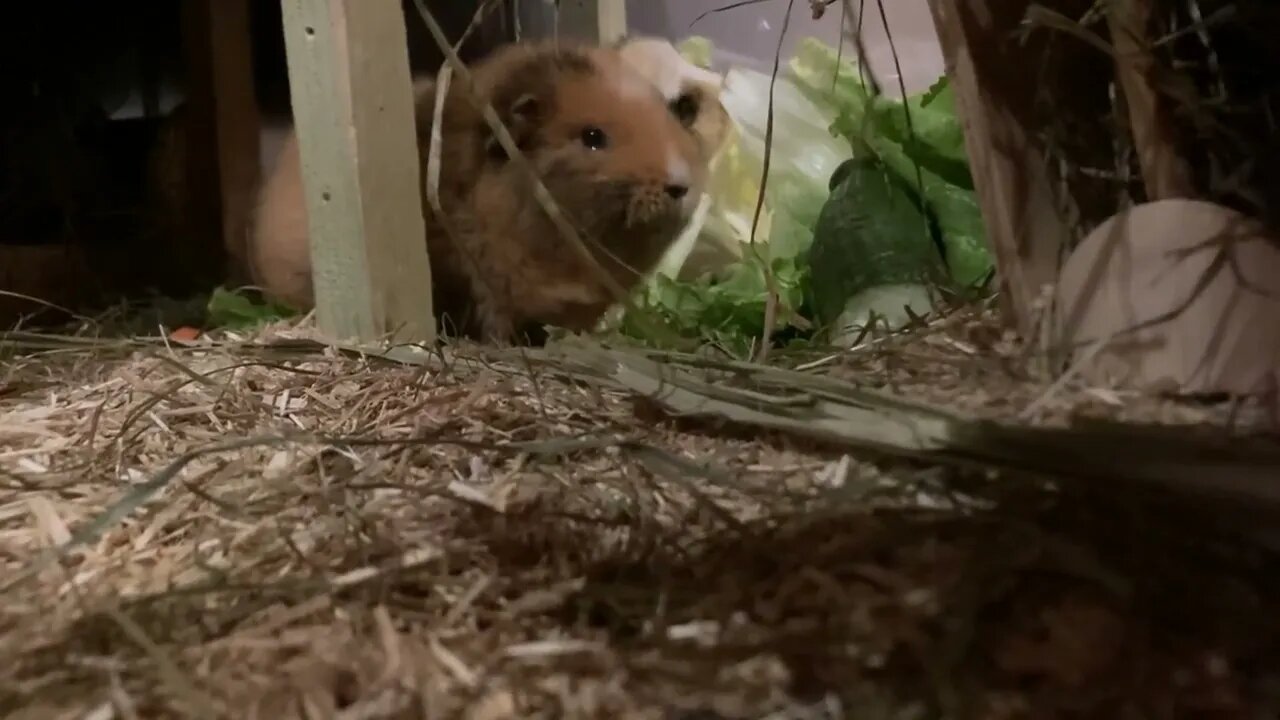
184, 334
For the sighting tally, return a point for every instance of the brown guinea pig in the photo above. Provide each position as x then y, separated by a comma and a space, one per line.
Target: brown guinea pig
621, 163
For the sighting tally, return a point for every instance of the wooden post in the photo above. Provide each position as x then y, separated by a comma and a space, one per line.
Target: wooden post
222, 145
237, 125
1165, 173
353, 112
1026, 229
596, 21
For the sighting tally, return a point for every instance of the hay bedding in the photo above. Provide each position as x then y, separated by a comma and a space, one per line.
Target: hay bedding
492, 541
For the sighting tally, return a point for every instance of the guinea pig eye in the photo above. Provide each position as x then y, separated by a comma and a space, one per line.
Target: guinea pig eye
594, 138
685, 108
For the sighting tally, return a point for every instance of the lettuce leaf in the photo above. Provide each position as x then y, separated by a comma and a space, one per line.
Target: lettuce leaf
925, 149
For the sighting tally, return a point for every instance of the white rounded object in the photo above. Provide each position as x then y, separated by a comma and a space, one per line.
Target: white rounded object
1177, 296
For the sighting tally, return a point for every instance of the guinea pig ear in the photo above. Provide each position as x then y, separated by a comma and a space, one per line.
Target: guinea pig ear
521, 120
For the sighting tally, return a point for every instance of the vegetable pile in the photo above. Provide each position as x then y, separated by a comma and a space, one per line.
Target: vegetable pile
869, 210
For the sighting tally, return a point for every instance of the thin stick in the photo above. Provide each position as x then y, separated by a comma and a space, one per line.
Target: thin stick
906, 106
482, 13
771, 283
437, 140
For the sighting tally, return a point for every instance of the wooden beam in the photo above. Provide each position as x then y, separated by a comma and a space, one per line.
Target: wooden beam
237, 125
1024, 224
353, 112
220, 122
595, 21
1165, 173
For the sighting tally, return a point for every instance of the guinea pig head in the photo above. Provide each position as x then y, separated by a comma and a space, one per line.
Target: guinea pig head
619, 159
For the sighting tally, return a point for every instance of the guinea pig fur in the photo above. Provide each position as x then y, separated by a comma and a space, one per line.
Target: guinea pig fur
621, 162
693, 91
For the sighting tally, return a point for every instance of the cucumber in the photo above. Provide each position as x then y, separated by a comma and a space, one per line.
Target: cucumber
871, 233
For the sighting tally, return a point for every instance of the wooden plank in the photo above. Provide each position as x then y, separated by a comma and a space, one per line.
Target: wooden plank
1026, 229
199, 208
353, 111
1165, 173
221, 128
238, 125
595, 21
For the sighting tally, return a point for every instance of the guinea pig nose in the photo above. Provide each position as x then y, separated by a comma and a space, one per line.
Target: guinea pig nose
677, 191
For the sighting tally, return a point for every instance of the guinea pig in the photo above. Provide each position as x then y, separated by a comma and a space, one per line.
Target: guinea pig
621, 161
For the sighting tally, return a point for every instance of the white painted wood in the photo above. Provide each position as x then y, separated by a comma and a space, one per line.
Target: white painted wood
597, 21
353, 111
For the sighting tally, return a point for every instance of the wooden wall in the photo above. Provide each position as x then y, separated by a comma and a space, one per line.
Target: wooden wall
94, 210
